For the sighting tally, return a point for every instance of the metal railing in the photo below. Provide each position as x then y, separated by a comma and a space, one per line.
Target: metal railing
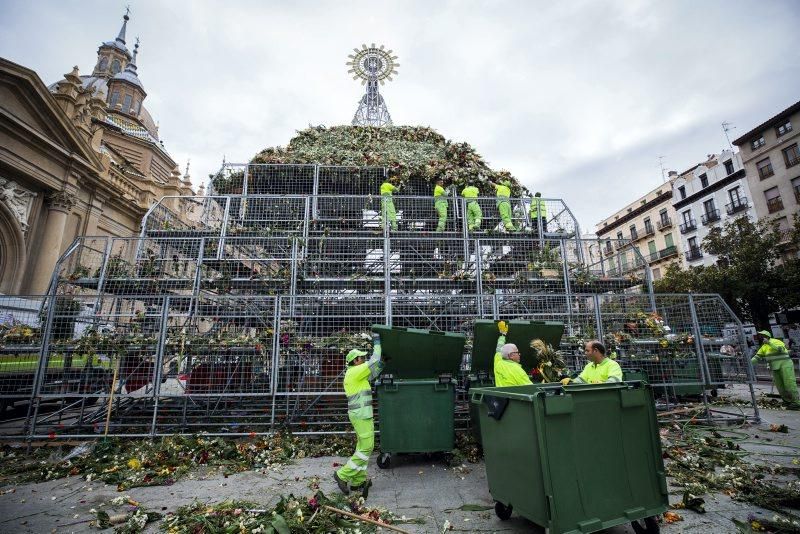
237, 364
710, 216
736, 205
694, 254
688, 226
664, 223
774, 204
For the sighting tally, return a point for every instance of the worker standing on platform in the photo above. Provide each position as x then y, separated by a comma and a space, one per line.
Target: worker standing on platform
507, 369
774, 352
358, 388
387, 202
440, 204
538, 212
600, 369
503, 193
474, 213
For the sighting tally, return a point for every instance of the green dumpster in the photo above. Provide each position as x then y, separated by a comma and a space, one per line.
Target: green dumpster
573, 459
416, 391
521, 333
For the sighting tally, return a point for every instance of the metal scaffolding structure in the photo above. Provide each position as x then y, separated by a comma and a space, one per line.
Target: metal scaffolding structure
372, 65
239, 323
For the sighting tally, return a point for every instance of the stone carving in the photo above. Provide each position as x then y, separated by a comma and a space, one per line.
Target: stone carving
18, 199
61, 200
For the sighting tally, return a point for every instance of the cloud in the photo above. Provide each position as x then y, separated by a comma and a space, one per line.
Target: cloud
577, 99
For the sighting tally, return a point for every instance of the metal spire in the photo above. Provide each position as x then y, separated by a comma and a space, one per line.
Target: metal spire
126, 18
373, 65
131, 67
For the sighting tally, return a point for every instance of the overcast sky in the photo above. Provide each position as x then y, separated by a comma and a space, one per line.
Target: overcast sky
576, 98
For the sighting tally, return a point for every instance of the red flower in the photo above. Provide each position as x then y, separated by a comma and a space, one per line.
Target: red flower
51, 435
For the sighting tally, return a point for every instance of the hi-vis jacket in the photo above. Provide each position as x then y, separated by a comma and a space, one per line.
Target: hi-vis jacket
773, 350
598, 373
357, 385
508, 372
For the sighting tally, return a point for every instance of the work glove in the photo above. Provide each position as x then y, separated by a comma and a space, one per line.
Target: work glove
565, 381
502, 327
376, 338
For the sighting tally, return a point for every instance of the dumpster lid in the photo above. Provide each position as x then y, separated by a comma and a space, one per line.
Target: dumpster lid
414, 353
520, 332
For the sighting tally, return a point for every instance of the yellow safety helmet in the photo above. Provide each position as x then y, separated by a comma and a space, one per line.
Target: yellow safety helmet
353, 354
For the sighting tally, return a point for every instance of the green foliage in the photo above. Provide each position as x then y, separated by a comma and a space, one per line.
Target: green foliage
748, 274
409, 151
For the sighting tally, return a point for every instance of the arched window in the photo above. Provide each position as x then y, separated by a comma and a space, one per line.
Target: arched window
114, 99
115, 66
126, 104
103, 65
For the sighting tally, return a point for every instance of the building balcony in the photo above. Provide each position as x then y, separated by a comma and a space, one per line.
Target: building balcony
663, 224
710, 217
740, 204
648, 230
688, 226
774, 204
607, 250
663, 254
694, 254
621, 243
634, 235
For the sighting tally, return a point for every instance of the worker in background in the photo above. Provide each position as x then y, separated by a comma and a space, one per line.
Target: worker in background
440, 204
474, 213
503, 193
358, 388
507, 369
387, 203
538, 212
774, 352
600, 369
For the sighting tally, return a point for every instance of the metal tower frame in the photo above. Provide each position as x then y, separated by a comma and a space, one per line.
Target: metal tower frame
372, 65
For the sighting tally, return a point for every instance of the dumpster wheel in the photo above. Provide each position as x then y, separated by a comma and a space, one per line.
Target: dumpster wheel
503, 511
384, 460
650, 526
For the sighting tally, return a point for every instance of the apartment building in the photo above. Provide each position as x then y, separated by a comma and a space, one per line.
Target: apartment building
771, 158
707, 196
649, 224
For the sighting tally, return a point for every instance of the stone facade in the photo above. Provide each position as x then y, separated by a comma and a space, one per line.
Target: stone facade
649, 224
74, 164
771, 157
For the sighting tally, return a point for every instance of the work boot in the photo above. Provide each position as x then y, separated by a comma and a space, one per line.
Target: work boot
344, 487
365, 488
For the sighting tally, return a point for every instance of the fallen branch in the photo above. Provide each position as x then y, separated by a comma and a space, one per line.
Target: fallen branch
358, 517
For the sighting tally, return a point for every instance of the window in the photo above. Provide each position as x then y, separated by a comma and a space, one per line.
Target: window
668, 241
774, 201
735, 195
708, 205
115, 66
103, 65
619, 235
729, 167
634, 233
687, 217
693, 244
663, 216
796, 189
791, 155
651, 246
783, 129
648, 226
704, 180
757, 143
656, 274
126, 104
764, 168
682, 191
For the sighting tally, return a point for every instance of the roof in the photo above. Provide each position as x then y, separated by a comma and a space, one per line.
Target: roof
130, 77
791, 110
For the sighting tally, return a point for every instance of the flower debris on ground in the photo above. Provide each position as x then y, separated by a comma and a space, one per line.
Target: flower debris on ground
291, 514
133, 463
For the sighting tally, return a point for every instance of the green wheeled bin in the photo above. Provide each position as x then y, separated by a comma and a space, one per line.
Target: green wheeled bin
521, 333
416, 391
574, 459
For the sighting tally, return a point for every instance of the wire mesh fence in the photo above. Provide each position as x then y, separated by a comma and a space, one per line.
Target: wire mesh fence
160, 364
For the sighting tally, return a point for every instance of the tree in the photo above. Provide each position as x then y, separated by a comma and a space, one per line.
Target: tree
748, 273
